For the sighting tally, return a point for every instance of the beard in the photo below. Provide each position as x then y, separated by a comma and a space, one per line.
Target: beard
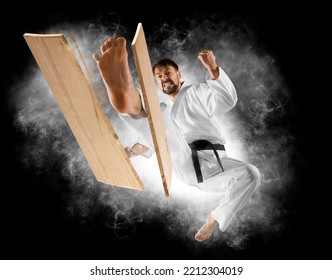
170, 87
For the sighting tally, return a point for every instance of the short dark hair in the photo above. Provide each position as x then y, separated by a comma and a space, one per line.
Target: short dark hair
164, 63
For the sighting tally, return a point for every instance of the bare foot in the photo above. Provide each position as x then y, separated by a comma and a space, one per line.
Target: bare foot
114, 69
207, 229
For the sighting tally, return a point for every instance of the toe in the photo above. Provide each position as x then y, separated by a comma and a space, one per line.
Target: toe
199, 237
121, 42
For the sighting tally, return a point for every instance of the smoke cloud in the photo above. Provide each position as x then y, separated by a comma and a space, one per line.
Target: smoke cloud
255, 131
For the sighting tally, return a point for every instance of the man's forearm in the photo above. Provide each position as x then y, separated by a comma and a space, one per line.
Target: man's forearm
214, 73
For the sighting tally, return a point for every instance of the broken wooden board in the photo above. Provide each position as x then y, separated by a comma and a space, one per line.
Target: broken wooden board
151, 100
82, 110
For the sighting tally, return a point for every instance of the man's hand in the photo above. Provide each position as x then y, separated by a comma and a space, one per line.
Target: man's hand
136, 150
209, 61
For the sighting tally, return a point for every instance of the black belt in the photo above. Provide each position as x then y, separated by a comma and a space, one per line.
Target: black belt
199, 145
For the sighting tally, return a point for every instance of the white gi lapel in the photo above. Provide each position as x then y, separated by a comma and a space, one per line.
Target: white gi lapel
178, 101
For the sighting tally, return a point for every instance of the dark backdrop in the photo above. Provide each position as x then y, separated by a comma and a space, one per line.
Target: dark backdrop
33, 221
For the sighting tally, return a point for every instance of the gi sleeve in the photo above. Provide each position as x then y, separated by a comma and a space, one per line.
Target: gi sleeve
221, 95
141, 129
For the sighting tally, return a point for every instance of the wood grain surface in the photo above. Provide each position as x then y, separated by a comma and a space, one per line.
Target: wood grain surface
83, 112
150, 95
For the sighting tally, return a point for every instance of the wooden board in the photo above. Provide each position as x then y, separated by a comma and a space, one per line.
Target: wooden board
150, 95
82, 110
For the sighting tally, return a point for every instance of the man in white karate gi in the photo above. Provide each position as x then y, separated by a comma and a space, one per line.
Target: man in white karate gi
193, 126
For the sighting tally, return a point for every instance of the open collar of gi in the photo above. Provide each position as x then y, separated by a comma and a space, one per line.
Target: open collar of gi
179, 99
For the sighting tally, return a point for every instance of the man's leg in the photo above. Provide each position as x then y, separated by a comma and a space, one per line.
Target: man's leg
247, 180
114, 69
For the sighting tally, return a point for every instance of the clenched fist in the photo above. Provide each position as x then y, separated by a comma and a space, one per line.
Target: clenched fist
208, 59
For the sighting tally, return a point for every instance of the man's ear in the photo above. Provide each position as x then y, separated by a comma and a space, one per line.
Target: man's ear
179, 74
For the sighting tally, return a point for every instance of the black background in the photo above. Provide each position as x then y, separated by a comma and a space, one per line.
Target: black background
34, 223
